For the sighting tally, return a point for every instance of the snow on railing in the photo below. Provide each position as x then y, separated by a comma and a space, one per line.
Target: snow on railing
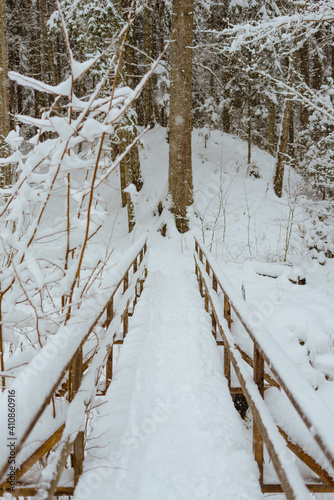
38, 382
311, 408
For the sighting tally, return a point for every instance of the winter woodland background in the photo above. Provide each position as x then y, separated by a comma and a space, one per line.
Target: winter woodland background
88, 133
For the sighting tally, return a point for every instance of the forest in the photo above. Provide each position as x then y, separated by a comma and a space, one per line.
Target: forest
135, 125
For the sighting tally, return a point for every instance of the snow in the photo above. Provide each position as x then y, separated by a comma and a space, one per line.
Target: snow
63, 88
168, 428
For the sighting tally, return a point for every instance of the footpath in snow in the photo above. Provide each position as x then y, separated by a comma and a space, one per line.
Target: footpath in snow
168, 429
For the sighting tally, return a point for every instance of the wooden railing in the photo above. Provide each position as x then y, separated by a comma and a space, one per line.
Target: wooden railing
63, 355
224, 303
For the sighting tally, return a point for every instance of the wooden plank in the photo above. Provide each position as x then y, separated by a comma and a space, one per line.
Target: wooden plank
37, 455
227, 362
78, 456
308, 460
314, 488
27, 491
236, 390
78, 445
257, 437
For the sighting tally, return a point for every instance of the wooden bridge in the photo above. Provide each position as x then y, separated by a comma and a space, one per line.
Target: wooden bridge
63, 380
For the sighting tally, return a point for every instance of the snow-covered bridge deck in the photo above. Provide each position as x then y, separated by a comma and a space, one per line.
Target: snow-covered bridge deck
169, 429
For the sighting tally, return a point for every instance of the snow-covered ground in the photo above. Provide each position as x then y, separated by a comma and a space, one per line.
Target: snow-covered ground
168, 429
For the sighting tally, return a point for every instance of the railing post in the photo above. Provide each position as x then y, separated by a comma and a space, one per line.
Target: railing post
227, 361
125, 281
126, 321
109, 367
206, 293
213, 319
141, 282
207, 267
206, 300
78, 445
258, 364
214, 283
110, 312
135, 269
110, 315
135, 265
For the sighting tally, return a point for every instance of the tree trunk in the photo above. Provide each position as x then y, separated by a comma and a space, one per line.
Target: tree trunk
305, 71
130, 172
149, 118
317, 72
48, 55
180, 164
284, 137
4, 84
272, 128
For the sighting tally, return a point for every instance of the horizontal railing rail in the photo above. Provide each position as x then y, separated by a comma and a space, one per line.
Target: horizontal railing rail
37, 384
312, 411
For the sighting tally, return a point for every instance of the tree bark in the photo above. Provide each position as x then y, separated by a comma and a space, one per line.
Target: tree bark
4, 84
180, 164
130, 172
284, 137
317, 72
149, 118
272, 128
305, 71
